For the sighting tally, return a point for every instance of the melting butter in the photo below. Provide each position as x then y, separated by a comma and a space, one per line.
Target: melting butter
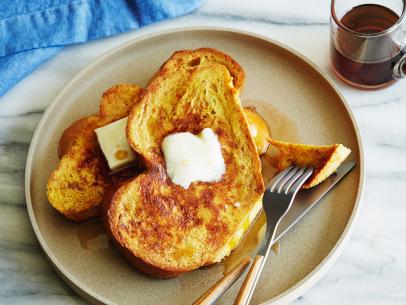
114, 145
191, 158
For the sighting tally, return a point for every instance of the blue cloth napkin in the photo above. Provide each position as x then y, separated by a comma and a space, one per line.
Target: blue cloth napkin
32, 31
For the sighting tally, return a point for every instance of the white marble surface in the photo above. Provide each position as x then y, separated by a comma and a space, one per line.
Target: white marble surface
372, 269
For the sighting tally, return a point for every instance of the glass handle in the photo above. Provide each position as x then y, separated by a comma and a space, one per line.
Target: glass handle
399, 70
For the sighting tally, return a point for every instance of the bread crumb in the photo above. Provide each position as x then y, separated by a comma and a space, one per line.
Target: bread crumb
276, 247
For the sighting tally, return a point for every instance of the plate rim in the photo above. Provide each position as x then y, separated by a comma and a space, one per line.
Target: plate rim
285, 297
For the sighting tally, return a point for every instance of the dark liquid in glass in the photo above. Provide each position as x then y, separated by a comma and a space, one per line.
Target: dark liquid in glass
367, 19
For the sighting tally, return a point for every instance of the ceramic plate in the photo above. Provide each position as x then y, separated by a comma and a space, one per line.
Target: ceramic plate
275, 75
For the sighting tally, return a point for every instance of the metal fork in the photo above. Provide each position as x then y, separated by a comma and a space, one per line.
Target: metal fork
277, 200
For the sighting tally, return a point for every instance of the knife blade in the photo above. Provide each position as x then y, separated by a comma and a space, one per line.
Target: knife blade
305, 200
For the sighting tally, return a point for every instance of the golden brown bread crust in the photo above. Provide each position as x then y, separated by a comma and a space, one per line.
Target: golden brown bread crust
162, 228
194, 58
136, 262
145, 267
324, 159
78, 184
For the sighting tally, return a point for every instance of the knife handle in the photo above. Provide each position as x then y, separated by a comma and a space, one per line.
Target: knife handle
211, 295
247, 288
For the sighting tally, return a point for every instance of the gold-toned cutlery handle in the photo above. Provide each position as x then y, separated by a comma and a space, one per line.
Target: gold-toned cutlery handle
247, 288
211, 295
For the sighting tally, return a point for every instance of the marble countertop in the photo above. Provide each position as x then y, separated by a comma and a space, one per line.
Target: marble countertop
372, 269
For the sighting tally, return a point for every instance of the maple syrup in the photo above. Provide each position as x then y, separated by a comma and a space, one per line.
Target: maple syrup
121, 154
259, 129
358, 57
92, 236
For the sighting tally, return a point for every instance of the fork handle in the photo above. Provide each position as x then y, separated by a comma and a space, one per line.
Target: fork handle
247, 288
211, 295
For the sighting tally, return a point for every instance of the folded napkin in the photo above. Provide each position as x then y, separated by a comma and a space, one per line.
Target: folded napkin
32, 31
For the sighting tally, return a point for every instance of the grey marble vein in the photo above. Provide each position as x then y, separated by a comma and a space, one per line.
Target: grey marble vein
269, 19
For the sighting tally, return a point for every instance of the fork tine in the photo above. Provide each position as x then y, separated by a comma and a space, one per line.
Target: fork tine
275, 180
287, 178
300, 181
288, 185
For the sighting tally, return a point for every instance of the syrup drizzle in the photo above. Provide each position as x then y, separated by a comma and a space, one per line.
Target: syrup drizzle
121, 154
92, 236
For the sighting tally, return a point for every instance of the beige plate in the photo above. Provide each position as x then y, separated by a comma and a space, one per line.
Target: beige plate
81, 253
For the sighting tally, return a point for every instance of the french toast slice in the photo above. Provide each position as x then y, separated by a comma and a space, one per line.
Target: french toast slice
325, 159
77, 186
160, 227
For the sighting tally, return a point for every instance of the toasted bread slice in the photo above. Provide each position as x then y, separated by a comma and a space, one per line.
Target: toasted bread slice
160, 227
325, 159
78, 184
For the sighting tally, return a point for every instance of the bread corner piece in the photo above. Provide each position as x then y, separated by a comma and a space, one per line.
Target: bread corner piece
324, 159
77, 185
161, 228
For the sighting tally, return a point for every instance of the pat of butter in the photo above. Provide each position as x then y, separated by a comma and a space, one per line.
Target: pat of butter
113, 142
192, 157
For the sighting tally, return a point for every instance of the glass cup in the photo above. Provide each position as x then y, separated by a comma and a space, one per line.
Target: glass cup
368, 42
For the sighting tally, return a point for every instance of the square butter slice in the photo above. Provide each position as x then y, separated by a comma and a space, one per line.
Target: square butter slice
113, 142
